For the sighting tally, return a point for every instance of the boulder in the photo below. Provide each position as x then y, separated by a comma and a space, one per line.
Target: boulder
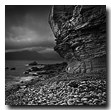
34, 74
26, 72
41, 66
33, 63
34, 69
13, 68
7, 68
29, 70
80, 32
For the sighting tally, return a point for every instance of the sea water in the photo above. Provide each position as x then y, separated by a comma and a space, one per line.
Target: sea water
14, 76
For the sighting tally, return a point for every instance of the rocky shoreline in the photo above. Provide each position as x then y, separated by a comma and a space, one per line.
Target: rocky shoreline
59, 88
80, 36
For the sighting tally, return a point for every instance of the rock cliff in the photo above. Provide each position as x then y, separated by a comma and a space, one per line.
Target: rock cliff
80, 32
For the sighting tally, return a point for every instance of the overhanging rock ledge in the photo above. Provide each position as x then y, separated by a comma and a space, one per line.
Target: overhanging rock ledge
80, 32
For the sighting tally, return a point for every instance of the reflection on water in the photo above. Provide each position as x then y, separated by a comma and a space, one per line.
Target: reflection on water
15, 76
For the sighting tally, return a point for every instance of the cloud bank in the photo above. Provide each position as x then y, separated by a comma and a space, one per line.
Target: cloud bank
27, 28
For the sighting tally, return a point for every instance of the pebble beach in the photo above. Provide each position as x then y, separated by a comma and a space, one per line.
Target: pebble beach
58, 92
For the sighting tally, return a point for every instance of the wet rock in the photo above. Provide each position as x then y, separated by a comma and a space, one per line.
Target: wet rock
32, 71
43, 73
26, 72
29, 70
32, 63
13, 68
7, 68
34, 74
35, 69
40, 66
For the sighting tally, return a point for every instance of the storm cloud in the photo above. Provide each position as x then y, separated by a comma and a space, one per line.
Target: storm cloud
26, 27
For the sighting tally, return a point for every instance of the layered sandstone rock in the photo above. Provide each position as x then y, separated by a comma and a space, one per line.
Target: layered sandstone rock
80, 32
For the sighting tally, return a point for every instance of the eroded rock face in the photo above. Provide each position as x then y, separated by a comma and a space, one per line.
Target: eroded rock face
80, 32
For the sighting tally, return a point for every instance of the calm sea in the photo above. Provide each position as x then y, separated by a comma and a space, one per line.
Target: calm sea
14, 76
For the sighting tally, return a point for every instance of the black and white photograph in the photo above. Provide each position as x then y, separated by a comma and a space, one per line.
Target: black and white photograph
55, 55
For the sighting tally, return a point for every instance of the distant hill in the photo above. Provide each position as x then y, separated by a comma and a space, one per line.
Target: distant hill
52, 55
30, 55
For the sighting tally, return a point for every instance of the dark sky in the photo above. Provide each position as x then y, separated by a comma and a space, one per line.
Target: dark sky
27, 28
